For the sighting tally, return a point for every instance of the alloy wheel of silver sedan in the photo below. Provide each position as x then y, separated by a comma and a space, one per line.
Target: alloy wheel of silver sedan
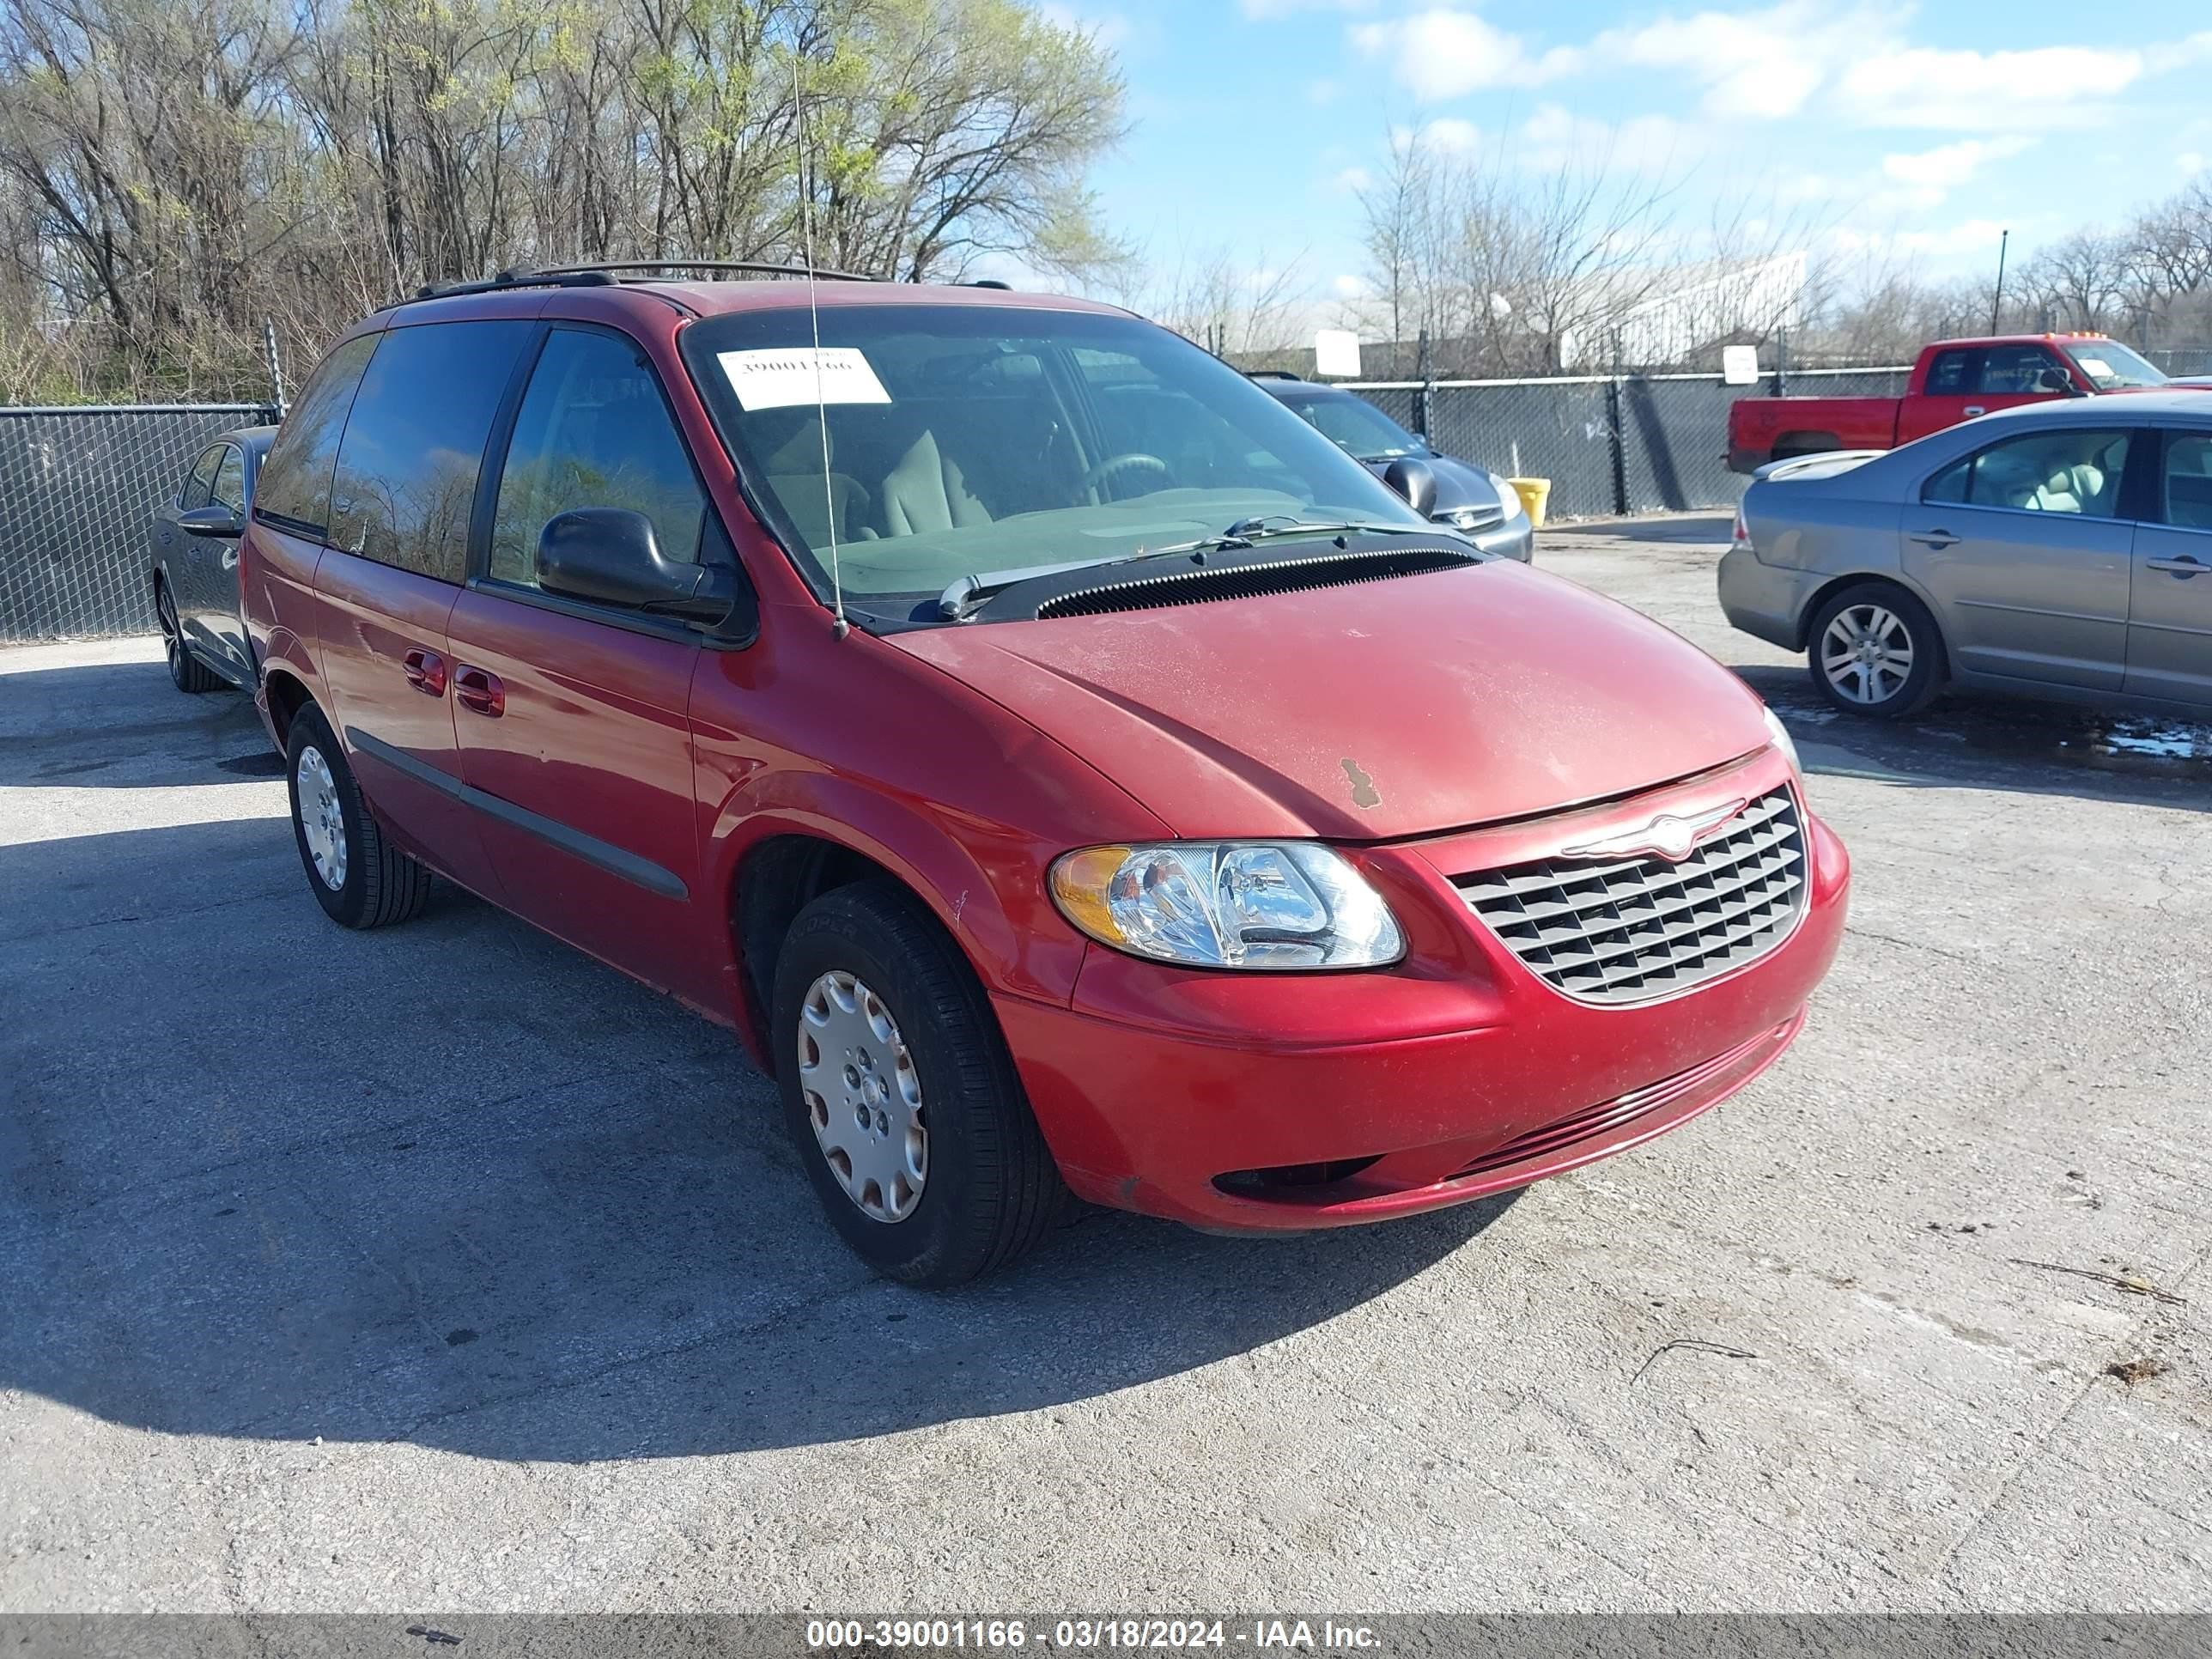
322, 821
863, 1096
1867, 653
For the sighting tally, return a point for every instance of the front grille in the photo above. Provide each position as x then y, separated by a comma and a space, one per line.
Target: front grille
1632, 929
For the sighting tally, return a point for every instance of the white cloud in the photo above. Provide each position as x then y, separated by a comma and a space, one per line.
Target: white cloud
1970, 236
1763, 64
1354, 180
2191, 162
1554, 139
1261, 11
2042, 87
1447, 135
1349, 287
1948, 165
1443, 53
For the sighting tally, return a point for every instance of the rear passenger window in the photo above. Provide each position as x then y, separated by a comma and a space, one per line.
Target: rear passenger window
406, 477
195, 492
1948, 374
230, 480
295, 479
594, 430
2188, 481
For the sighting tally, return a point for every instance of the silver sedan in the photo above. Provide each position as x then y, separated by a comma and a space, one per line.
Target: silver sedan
2057, 550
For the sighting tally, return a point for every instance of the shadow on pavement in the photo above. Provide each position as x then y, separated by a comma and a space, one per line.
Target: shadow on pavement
2006, 743
453, 1183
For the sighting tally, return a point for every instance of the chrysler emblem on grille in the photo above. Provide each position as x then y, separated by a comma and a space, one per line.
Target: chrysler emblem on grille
1666, 837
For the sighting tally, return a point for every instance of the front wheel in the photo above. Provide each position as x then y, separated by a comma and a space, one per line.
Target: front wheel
1873, 650
899, 1094
358, 876
186, 671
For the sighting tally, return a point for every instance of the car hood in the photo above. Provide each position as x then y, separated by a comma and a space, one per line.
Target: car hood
1458, 484
1372, 712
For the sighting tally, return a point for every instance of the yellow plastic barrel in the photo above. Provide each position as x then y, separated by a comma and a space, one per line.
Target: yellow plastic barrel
1534, 493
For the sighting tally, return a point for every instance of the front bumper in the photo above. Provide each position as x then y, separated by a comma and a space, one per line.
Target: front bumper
1765, 601
1368, 1096
1514, 539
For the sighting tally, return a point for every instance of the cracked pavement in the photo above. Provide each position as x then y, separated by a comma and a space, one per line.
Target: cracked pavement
440, 1268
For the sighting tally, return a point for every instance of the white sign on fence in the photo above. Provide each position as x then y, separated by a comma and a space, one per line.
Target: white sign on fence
1336, 351
1740, 365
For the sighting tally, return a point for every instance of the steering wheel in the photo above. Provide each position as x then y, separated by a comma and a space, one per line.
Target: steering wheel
1113, 464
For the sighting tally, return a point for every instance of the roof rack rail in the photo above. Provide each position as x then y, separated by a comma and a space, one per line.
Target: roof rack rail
751, 267
1271, 374
506, 279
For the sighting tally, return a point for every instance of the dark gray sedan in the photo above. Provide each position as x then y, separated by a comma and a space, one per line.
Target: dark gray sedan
192, 548
2057, 550
1474, 501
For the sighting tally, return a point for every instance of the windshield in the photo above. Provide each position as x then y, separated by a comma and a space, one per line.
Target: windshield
1356, 425
2109, 364
968, 439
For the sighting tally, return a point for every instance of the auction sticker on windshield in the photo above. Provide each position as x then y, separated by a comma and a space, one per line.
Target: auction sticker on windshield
782, 376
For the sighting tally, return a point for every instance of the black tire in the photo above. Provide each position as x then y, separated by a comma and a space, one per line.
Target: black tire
990, 1190
186, 671
379, 885
1909, 622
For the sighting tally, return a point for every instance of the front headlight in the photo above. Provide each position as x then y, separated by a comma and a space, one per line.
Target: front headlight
1508, 498
1228, 904
1783, 741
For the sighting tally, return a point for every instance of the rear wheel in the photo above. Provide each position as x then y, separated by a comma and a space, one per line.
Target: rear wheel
1873, 650
358, 876
899, 1094
186, 671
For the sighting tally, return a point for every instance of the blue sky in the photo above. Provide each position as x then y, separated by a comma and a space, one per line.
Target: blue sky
1880, 127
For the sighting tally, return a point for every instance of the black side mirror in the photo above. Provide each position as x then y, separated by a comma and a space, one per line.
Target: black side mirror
213, 520
2059, 379
609, 554
1414, 481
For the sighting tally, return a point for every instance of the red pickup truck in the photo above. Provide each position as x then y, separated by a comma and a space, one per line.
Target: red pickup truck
1954, 381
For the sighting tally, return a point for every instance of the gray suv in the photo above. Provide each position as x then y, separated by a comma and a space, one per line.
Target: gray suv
2057, 550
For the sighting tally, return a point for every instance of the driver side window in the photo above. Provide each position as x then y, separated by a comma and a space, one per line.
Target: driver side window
592, 431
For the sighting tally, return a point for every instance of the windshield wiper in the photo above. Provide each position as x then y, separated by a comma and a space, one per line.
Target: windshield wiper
1245, 532
964, 596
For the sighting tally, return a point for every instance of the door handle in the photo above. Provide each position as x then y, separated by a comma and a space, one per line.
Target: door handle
1976, 408
229, 558
2184, 566
425, 671
1935, 538
475, 689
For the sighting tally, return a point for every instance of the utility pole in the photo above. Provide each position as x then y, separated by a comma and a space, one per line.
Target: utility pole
1996, 300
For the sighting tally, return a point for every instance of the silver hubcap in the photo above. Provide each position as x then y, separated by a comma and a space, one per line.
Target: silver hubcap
1867, 653
320, 820
172, 643
863, 1096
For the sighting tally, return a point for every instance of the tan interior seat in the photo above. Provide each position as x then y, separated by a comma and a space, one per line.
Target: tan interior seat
925, 492
794, 472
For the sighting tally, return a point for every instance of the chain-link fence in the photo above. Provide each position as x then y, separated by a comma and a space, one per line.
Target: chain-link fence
1636, 443
77, 486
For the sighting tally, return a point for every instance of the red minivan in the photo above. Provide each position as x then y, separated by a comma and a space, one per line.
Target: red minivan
1066, 770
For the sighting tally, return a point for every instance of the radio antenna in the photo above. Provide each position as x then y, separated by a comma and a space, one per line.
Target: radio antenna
839, 627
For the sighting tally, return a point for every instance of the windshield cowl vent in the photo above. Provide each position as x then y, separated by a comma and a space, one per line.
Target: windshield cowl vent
1201, 586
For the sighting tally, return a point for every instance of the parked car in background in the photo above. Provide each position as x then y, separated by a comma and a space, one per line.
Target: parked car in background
1953, 380
2061, 550
192, 548
1467, 497
1066, 767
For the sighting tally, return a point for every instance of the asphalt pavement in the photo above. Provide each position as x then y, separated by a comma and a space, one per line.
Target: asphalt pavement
443, 1268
